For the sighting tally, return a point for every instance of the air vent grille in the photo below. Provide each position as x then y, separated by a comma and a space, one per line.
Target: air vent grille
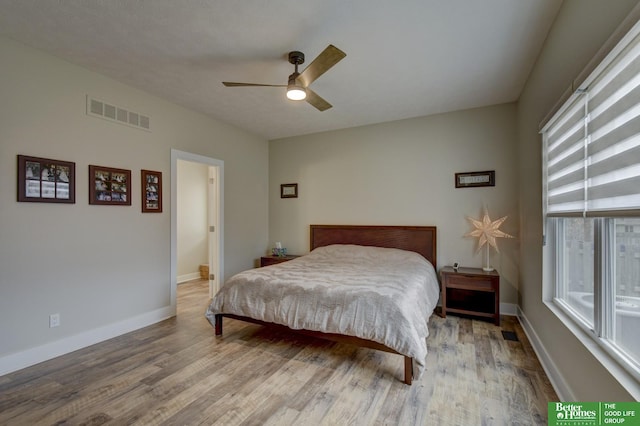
110, 111
117, 114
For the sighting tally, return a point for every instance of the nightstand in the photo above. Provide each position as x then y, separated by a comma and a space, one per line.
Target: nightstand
272, 260
470, 291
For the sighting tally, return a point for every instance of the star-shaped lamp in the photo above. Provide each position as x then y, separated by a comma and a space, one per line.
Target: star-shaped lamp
487, 231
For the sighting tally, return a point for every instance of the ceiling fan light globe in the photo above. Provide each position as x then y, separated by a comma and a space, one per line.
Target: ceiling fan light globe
296, 93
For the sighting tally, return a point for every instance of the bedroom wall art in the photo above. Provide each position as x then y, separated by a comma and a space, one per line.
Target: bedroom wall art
46, 181
289, 190
151, 191
475, 179
109, 186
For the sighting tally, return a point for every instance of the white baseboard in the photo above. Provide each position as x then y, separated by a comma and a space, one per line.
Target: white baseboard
188, 277
556, 379
29, 357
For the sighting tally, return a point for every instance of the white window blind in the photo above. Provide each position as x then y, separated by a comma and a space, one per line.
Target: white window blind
591, 151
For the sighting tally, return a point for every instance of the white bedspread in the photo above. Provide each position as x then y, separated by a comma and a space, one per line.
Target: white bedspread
380, 294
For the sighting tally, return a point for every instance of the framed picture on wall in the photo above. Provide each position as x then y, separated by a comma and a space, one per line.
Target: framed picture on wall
289, 190
151, 191
46, 181
475, 179
109, 186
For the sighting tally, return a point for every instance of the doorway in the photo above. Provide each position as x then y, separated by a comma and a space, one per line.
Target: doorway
214, 228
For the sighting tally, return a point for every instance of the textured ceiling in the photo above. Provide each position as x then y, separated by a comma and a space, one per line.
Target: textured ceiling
406, 58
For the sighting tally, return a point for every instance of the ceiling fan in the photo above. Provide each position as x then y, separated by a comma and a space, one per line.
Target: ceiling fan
298, 85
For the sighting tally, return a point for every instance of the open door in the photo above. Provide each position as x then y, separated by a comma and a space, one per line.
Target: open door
215, 215
214, 224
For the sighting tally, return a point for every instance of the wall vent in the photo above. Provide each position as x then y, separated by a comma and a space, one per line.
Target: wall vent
108, 111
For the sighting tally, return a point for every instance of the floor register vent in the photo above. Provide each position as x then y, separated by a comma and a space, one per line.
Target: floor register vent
510, 335
105, 110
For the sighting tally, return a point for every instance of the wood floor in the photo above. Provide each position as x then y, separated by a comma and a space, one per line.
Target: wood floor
178, 373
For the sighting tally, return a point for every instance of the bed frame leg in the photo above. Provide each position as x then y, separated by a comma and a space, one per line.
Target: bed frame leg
218, 325
408, 370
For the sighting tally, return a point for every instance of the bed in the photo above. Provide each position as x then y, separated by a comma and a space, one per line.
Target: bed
373, 286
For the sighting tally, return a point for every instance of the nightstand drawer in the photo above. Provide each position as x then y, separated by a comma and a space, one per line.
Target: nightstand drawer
272, 260
471, 283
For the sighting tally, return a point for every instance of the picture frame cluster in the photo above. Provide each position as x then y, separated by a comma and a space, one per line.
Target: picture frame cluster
46, 180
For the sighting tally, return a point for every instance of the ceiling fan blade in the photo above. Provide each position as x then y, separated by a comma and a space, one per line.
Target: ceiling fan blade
321, 64
316, 101
232, 84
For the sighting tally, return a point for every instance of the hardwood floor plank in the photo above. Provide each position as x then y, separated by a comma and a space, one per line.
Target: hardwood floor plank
492, 412
92, 395
362, 391
283, 416
178, 372
465, 331
165, 406
312, 401
18, 403
236, 406
171, 385
261, 399
172, 394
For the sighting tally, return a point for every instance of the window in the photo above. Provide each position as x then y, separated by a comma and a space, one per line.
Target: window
577, 287
591, 185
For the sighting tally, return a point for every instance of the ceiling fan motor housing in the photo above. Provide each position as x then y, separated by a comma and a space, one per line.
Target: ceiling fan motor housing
296, 58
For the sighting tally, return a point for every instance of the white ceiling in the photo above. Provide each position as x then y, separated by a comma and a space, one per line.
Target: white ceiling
406, 58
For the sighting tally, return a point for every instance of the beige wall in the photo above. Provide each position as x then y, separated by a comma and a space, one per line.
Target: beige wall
402, 173
579, 31
192, 238
101, 265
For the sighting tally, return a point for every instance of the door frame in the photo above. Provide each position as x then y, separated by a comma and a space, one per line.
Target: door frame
218, 269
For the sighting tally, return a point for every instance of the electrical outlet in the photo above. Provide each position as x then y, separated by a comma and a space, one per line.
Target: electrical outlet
54, 320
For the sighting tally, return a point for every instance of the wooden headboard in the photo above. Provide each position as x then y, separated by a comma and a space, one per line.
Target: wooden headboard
420, 239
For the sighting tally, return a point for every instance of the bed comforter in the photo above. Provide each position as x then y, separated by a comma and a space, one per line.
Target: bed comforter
380, 294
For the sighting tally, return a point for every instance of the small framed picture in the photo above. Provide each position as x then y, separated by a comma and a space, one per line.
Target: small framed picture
109, 186
475, 179
151, 191
289, 190
46, 181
